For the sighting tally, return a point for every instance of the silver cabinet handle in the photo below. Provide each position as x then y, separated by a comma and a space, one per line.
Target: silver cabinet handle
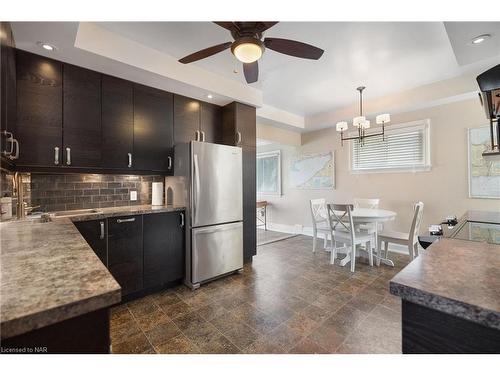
119, 221
68, 156
203, 136
129, 160
169, 162
10, 140
16, 154
102, 230
238, 139
182, 219
56, 155
197, 135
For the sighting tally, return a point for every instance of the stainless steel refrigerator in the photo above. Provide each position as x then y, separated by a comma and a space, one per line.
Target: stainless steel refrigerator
214, 214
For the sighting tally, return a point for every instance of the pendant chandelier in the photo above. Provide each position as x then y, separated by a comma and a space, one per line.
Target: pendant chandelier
362, 123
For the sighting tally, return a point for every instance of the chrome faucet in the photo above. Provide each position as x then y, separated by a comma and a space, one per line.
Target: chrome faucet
21, 206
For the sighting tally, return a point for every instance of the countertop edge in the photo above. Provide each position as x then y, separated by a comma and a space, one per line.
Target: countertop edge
446, 305
45, 318
138, 211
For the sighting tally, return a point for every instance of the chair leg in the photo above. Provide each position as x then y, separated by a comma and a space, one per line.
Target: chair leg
370, 252
379, 251
325, 243
415, 246
332, 253
353, 257
386, 249
314, 242
410, 251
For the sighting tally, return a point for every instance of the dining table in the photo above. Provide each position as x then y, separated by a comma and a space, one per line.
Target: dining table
371, 216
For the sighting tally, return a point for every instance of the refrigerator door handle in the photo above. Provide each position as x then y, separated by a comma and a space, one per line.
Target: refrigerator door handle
196, 188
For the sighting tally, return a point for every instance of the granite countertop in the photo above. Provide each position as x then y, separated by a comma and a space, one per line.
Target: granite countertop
49, 273
458, 277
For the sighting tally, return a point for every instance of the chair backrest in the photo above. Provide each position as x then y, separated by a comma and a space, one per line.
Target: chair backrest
337, 215
318, 210
418, 212
366, 203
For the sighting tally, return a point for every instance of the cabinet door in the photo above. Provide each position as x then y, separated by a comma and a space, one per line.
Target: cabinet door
249, 203
245, 119
81, 117
153, 129
211, 122
125, 252
39, 110
95, 233
163, 248
186, 119
117, 122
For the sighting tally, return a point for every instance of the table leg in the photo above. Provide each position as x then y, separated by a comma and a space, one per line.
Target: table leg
265, 217
379, 257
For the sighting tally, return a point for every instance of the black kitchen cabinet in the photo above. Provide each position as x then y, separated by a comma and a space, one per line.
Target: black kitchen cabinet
39, 110
153, 130
186, 119
117, 123
239, 129
8, 91
163, 248
95, 233
81, 117
211, 122
125, 252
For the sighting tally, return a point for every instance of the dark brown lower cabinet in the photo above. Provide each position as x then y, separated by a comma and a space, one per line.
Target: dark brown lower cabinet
95, 233
163, 248
125, 252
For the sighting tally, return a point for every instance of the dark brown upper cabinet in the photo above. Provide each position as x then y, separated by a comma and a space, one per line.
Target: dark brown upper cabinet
117, 123
211, 122
153, 129
39, 110
186, 119
239, 125
81, 117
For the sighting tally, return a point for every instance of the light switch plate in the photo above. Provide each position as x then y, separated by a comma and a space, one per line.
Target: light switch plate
133, 195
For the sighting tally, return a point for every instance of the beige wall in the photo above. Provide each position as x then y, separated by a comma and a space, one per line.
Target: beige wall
443, 189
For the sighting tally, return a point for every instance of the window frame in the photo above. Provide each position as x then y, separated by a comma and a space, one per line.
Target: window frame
269, 154
398, 129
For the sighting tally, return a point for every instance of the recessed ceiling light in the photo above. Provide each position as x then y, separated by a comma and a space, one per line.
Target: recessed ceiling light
210, 96
480, 38
46, 46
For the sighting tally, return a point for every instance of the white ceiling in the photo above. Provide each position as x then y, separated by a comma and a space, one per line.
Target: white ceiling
384, 56
387, 57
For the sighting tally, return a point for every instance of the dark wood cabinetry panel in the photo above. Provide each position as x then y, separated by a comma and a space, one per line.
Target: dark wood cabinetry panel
246, 124
186, 119
81, 117
95, 233
39, 109
125, 254
117, 122
249, 203
153, 129
163, 248
211, 122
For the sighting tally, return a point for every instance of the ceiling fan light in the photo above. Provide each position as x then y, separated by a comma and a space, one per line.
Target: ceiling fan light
358, 121
383, 118
247, 52
341, 126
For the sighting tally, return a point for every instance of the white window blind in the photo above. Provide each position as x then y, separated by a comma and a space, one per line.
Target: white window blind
404, 147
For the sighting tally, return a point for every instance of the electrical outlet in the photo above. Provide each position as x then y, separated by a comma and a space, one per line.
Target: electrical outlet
133, 195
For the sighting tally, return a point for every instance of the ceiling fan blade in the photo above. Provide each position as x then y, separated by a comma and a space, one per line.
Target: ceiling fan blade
263, 26
293, 48
205, 53
251, 71
227, 25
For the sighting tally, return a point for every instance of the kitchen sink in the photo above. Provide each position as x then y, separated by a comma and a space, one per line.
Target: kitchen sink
76, 212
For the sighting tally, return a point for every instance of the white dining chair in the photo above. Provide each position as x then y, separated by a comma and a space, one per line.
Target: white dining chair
319, 221
343, 231
409, 239
367, 203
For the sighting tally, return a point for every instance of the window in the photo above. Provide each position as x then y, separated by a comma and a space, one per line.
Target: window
269, 173
405, 147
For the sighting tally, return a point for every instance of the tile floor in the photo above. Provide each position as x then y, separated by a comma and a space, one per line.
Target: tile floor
288, 300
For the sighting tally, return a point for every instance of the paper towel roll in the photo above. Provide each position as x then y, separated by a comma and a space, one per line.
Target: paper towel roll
157, 194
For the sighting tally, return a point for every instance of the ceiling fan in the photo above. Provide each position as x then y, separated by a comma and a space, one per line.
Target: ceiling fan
248, 47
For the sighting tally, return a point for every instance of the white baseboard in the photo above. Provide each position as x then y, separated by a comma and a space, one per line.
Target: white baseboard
308, 231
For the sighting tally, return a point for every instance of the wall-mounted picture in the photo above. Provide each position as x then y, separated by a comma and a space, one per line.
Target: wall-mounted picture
313, 171
484, 175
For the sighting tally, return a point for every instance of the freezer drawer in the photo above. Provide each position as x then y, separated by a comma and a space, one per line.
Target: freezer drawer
216, 250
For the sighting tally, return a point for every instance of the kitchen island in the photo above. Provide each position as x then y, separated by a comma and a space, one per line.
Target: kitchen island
451, 298
55, 293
